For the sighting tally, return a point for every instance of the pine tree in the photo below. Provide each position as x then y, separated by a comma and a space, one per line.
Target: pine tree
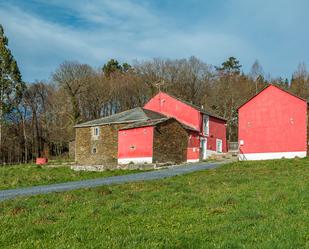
230, 66
113, 66
11, 84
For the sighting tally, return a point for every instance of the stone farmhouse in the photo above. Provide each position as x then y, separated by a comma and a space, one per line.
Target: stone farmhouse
166, 129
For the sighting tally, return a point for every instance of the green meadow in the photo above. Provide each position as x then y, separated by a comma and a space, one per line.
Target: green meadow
240, 205
31, 175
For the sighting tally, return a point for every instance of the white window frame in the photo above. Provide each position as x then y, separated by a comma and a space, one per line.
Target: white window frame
221, 147
205, 125
95, 132
203, 152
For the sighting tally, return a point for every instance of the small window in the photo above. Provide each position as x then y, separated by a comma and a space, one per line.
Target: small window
206, 125
95, 133
94, 150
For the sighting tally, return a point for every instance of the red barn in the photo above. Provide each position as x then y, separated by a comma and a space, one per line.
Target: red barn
272, 125
205, 132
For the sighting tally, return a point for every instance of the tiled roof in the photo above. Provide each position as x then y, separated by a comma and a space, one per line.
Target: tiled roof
129, 116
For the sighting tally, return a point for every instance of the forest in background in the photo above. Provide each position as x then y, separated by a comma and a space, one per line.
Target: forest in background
38, 118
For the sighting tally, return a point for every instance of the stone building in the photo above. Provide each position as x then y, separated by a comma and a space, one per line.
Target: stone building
96, 141
166, 129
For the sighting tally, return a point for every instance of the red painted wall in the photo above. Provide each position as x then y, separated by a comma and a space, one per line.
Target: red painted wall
273, 121
172, 107
217, 130
169, 106
137, 142
193, 150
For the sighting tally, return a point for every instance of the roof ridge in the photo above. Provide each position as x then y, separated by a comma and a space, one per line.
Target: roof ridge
115, 114
136, 114
207, 112
144, 123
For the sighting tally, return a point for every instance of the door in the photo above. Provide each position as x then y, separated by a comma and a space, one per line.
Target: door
203, 148
219, 146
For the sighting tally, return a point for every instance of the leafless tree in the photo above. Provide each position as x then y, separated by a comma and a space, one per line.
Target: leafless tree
73, 78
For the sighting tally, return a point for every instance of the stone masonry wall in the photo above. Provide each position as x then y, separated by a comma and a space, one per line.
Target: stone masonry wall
106, 145
170, 142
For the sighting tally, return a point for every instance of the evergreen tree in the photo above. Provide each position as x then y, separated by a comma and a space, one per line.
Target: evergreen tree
11, 85
126, 67
111, 66
230, 66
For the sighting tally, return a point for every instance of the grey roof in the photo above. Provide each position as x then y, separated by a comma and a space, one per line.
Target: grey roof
187, 127
154, 123
129, 116
145, 123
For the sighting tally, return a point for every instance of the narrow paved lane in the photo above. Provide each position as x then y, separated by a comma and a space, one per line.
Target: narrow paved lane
144, 176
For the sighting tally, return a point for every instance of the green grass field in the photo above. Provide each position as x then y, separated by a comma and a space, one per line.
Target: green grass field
240, 205
31, 175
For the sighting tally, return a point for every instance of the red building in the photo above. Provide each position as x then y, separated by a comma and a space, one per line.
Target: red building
203, 131
272, 124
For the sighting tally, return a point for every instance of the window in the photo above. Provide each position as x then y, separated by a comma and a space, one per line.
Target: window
94, 150
95, 133
203, 147
206, 125
219, 146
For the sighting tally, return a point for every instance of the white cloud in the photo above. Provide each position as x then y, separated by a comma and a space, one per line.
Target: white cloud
121, 29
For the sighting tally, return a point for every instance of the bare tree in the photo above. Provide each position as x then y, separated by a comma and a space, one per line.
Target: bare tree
300, 81
256, 74
73, 78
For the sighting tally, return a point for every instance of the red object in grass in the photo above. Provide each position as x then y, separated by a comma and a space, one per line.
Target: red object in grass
41, 160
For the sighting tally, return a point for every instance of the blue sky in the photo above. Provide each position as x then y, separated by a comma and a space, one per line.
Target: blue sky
43, 34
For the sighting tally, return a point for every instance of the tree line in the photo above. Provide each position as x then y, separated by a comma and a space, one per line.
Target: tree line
38, 118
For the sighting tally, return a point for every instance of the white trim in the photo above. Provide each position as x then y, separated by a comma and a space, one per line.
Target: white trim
193, 160
221, 142
205, 125
135, 160
93, 132
271, 155
203, 149
96, 131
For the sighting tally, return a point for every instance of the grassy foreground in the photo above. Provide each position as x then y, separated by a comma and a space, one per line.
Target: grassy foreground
31, 175
241, 205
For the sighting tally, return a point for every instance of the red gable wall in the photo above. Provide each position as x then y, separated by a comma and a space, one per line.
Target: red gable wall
193, 150
217, 130
172, 107
169, 106
273, 121
137, 142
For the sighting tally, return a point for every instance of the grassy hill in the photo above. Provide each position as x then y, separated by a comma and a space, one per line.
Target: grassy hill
241, 205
